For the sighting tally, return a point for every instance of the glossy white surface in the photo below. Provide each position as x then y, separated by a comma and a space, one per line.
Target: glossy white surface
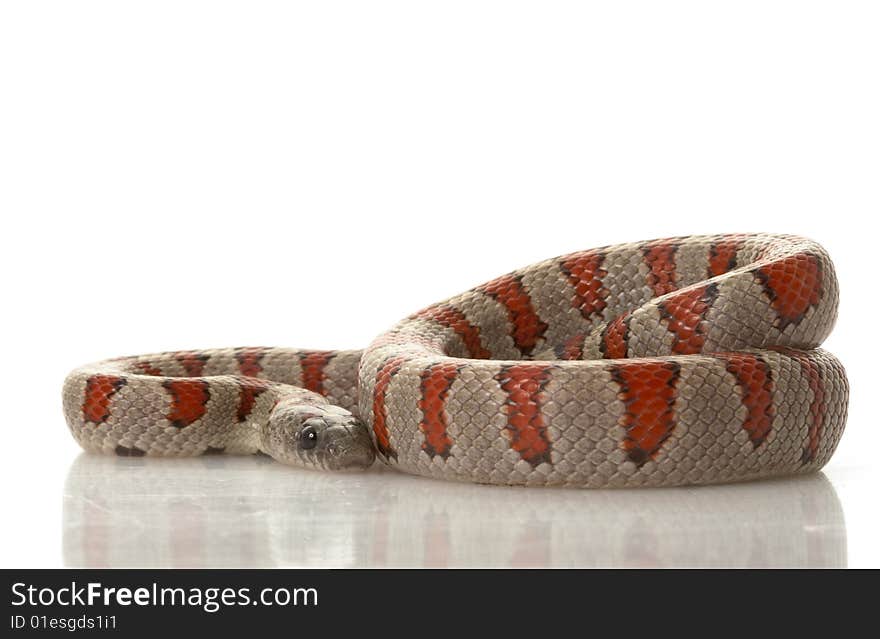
238, 512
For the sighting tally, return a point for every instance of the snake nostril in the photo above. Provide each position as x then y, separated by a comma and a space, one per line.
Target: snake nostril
332, 449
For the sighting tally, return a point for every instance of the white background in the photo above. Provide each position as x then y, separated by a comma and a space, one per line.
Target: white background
195, 174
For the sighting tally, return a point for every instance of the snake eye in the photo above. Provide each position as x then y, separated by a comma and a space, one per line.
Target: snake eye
308, 437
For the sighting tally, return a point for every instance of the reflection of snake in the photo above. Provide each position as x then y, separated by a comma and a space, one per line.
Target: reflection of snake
699, 367
226, 511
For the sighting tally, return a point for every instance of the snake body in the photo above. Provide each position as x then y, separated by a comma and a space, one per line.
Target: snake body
687, 360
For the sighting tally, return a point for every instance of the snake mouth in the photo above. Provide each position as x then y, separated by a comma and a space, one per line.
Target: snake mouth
353, 460
352, 449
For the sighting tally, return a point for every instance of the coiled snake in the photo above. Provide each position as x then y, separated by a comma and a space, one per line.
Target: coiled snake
679, 361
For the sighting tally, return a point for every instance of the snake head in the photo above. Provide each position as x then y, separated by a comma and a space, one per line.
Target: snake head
323, 437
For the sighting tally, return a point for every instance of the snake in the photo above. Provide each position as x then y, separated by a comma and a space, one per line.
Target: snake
678, 361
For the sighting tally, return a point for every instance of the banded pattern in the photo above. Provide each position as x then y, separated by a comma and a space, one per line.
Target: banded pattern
436, 381
197, 402
99, 390
660, 258
526, 427
645, 370
314, 365
586, 276
527, 328
380, 414
679, 361
685, 316
755, 381
648, 391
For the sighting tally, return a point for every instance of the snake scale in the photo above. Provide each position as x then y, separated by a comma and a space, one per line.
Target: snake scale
688, 360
